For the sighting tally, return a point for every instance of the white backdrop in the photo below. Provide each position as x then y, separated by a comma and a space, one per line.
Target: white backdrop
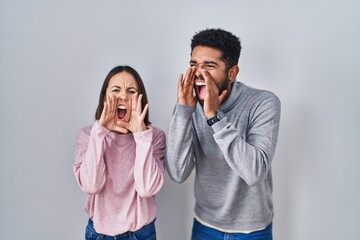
54, 56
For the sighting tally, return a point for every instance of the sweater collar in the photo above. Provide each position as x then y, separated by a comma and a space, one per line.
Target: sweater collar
236, 90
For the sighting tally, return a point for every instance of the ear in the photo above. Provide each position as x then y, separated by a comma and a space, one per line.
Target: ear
233, 72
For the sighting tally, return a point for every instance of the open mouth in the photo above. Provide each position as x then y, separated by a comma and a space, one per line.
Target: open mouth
121, 112
200, 89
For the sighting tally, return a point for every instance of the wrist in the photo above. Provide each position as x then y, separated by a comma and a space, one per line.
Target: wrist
211, 121
187, 102
141, 128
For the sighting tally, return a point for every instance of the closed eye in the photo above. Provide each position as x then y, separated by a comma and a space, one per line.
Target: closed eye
207, 64
132, 91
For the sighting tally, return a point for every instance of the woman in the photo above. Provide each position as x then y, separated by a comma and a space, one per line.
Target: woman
119, 161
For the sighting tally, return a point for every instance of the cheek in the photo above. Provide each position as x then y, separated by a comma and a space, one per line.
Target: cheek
107, 94
218, 78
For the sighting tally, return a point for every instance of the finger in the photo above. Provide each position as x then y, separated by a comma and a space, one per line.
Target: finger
207, 77
222, 95
103, 114
134, 99
138, 106
104, 118
120, 124
211, 88
180, 82
189, 77
122, 127
105, 109
106, 106
143, 114
113, 103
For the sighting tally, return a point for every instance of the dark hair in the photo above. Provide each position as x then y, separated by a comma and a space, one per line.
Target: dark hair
225, 41
139, 82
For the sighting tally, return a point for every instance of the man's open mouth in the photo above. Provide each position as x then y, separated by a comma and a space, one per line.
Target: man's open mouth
121, 112
200, 89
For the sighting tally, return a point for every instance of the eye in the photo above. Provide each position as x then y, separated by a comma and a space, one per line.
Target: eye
210, 66
132, 91
116, 90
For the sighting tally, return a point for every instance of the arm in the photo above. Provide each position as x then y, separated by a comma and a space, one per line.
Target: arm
89, 167
251, 158
180, 150
149, 161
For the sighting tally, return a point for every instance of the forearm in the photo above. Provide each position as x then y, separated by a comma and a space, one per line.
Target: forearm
149, 162
250, 154
180, 152
89, 167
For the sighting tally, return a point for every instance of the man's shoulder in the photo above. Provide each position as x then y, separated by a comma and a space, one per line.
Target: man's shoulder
258, 93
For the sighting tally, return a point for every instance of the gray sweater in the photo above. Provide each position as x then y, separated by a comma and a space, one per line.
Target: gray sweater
232, 158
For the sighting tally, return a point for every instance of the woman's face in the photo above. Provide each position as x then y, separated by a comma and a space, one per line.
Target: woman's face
123, 86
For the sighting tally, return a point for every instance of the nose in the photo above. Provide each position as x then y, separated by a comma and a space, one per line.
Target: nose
201, 65
198, 73
123, 95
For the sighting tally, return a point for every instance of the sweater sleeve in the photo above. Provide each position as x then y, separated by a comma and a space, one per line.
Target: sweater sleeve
149, 161
180, 154
89, 167
251, 158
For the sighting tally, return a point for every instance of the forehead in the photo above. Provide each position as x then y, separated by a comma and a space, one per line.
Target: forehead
123, 79
204, 54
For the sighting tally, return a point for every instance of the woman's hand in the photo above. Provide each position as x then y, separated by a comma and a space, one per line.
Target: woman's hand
109, 115
136, 122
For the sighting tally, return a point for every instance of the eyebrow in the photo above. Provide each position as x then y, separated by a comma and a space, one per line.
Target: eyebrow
206, 62
118, 87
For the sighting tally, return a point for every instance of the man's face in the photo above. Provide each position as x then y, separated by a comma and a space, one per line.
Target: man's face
209, 59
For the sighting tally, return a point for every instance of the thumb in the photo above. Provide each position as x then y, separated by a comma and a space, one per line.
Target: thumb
121, 127
222, 95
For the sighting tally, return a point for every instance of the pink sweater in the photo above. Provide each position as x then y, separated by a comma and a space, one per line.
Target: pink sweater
121, 175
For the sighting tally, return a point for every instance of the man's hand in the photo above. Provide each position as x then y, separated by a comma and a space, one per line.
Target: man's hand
212, 99
186, 88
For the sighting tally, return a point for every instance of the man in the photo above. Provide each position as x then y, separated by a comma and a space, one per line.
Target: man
228, 133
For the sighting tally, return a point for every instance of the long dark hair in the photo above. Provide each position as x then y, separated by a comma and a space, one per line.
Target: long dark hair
139, 82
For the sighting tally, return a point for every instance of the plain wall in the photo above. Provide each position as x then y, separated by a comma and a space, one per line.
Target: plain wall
54, 56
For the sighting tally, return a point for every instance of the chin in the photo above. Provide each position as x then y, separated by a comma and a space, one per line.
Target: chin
125, 119
201, 101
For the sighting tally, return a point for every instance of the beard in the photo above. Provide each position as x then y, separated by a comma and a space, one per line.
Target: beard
222, 86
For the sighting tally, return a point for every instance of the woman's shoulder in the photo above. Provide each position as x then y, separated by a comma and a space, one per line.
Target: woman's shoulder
85, 129
156, 129
157, 132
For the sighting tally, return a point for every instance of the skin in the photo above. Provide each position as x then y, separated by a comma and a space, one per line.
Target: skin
206, 65
123, 90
